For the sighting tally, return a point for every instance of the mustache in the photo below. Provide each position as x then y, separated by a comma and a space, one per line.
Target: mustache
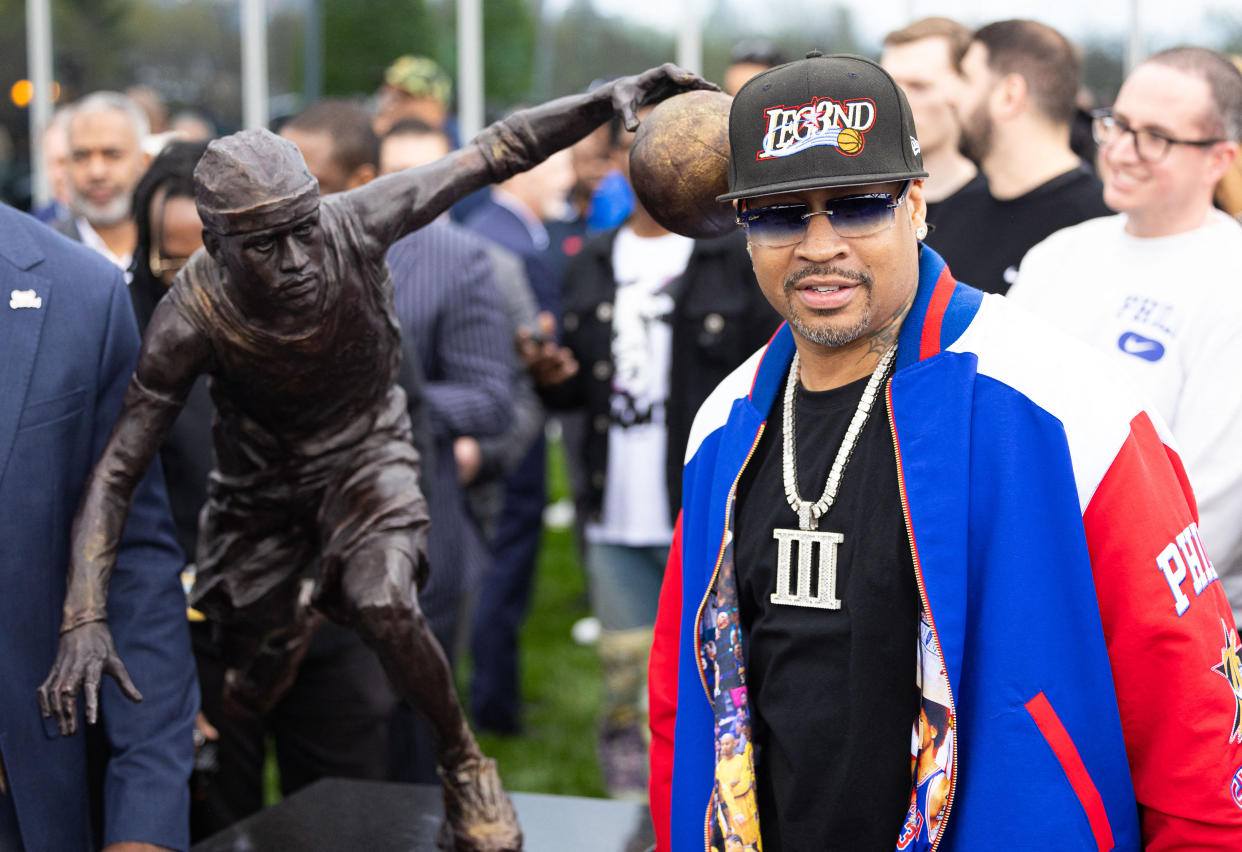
862, 278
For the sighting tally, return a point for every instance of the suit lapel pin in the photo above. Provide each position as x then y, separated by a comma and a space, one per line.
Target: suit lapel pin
24, 299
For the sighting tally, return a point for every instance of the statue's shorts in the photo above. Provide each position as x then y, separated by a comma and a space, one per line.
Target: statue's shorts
283, 534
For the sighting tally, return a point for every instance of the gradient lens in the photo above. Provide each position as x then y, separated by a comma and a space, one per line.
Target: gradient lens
852, 216
779, 225
861, 215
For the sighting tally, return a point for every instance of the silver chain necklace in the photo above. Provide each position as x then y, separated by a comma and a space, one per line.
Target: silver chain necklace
809, 513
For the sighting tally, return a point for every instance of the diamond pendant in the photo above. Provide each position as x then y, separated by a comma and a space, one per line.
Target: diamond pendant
814, 548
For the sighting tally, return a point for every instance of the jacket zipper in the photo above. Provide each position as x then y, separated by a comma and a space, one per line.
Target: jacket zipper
918, 579
698, 618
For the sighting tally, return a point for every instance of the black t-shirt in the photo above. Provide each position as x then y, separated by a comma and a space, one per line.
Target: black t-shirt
832, 692
983, 239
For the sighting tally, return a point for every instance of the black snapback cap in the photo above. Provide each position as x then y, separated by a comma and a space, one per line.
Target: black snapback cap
823, 121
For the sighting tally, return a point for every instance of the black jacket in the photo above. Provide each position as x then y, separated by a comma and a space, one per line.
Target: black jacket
720, 318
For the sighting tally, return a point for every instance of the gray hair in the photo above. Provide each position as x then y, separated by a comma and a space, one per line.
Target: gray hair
1223, 79
106, 101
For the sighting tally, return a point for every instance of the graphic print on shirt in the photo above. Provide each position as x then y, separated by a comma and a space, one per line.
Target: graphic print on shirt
931, 748
640, 322
1230, 668
734, 804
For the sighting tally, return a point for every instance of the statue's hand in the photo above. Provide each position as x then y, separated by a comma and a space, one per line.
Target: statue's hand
653, 86
85, 653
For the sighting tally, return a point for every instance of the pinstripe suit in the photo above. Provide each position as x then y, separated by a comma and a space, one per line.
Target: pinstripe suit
450, 309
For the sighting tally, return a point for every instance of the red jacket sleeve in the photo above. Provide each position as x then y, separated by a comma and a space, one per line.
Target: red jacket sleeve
1173, 648
662, 689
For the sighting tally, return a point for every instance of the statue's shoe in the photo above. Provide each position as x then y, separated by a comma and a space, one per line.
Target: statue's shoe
478, 816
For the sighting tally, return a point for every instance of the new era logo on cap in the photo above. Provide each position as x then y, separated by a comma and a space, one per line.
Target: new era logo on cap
820, 122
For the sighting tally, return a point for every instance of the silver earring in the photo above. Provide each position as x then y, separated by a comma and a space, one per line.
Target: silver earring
921, 232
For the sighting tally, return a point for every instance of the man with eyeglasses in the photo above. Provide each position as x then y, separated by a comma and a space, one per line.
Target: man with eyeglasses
921, 529
1155, 286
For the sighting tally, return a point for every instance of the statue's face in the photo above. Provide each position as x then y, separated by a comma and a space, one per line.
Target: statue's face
277, 271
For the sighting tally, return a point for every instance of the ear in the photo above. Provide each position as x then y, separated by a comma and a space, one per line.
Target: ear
917, 204
1010, 96
211, 242
1222, 157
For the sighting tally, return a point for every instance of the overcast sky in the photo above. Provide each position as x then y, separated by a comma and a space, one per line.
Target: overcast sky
1163, 22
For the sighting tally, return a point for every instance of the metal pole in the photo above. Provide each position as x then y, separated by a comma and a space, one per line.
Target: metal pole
469, 68
689, 36
1134, 44
39, 68
254, 63
312, 71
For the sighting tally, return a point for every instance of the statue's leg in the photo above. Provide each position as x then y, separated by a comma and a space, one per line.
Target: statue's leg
378, 597
373, 522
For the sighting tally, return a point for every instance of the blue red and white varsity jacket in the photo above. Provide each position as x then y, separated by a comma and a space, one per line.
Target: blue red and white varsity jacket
1073, 625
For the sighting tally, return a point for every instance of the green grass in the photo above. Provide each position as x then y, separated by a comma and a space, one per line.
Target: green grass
560, 679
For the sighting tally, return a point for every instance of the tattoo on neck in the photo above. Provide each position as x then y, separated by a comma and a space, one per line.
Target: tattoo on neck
886, 335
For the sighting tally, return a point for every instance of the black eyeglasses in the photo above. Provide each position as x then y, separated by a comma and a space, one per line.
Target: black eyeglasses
781, 225
1152, 146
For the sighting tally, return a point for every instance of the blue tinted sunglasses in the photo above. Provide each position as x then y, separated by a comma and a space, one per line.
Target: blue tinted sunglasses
781, 225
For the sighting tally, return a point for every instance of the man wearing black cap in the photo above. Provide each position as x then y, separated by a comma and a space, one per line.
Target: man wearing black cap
972, 606
290, 310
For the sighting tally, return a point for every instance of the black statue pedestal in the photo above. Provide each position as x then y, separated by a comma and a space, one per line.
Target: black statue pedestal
338, 815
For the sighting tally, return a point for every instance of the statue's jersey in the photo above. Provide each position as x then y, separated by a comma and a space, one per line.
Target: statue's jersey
304, 394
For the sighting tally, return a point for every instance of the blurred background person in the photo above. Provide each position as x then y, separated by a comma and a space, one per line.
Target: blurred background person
484, 461
414, 87
151, 102
747, 59
335, 139
654, 320
192, 126
411, 142
1020, 82
55, 152
1155, 287
106, 131
513, 216
925, 59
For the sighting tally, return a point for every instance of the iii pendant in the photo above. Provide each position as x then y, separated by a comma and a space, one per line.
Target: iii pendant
807, 542
807, 537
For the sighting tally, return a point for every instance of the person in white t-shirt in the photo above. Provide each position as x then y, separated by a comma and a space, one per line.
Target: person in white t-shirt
1158, 285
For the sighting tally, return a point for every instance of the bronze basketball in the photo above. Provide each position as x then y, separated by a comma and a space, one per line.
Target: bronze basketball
679, 163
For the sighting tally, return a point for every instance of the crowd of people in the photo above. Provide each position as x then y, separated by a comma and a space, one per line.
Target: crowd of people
1017, 581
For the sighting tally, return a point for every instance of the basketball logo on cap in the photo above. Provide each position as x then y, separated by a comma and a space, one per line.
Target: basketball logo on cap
842, 125
850, 142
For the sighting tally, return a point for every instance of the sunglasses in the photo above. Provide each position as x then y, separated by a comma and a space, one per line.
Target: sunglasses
782, 225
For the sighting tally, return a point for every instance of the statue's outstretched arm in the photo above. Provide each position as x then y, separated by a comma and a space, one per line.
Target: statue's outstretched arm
396, 204
172, 356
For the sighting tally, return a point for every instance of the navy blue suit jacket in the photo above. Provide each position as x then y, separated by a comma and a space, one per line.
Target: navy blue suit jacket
504, 227
68, 344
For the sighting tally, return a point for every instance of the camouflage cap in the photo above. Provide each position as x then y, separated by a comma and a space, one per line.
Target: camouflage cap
252, 180
420, 77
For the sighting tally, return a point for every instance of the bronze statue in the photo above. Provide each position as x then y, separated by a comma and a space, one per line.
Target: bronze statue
289, 310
